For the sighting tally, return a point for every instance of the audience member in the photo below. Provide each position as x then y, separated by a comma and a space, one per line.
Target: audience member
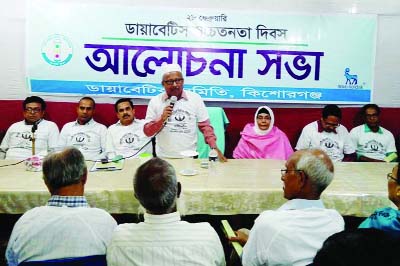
388, 219
162, 239
175, 124
85, 134
17, 143
328, 135
293, 234
126, 137
362, 247
66, 227
263, 140
373, 143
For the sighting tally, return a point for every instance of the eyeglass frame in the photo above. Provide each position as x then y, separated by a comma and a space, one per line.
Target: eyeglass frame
34, 110
390, 176
330, 124
285, 171
172, 81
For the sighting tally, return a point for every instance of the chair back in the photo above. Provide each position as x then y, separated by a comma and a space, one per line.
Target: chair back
96, 260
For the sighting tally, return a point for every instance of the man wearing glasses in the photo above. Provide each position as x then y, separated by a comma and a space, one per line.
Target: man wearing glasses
328, 135
175, 122
294, 233
373, 143
17, 143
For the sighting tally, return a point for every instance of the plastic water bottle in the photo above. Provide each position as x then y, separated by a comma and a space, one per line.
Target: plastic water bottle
212, 161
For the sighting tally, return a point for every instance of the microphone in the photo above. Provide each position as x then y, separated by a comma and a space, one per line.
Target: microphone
173, 100
34, 127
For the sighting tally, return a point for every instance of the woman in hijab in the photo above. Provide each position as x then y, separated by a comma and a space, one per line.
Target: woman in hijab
263, 140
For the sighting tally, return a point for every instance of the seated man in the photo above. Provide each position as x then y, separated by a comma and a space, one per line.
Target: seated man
126, 137
263, 140
17, 143
85, 134
293, 234
387, 218
66, 227
162, 239
328, 135
373, 143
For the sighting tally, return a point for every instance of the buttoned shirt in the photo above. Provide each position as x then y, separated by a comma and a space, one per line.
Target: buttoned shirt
65, 228
165, 240
291, 235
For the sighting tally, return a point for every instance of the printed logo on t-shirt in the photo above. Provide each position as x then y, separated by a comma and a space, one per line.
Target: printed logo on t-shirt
80, 140
129, 140
373, 146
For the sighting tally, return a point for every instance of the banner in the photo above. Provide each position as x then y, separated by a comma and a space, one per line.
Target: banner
226, 55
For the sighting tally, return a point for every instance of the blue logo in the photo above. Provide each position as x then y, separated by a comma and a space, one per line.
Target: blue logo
350, 79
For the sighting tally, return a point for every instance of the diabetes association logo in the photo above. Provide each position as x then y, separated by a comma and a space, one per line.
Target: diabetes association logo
57, 50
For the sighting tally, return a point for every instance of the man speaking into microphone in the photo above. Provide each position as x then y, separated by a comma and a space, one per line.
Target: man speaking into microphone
174, 116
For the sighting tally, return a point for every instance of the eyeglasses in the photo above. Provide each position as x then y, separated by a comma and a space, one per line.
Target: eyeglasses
390, 176
33, 110
285, 171
172, 81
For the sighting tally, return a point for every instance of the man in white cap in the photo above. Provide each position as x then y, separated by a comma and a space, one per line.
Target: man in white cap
175, 115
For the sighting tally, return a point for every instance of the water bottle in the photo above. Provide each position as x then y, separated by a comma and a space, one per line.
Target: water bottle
212, 161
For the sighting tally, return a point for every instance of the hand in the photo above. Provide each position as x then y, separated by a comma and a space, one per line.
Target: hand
167, 112
221, 156
241, 236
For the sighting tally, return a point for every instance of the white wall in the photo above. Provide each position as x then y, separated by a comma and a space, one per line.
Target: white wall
387, 70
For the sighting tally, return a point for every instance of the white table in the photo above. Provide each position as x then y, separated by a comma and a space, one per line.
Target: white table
238, 187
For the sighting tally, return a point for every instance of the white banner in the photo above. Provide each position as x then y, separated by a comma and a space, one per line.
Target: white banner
225, 55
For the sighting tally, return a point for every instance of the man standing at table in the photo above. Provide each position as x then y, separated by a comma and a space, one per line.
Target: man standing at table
126, 137
85, 134
373, 143
162, 239
328, 135
66, 227
20, 136
294, 233
175, 124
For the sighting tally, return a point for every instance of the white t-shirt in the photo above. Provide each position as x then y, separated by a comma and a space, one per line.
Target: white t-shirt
17, 143
334, 144
165, 240
127, 140
291, 235
180, 132
89, 138
373, 145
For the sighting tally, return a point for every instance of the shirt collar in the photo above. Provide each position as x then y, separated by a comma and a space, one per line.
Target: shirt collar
164, 97
162, 218
68, 201
367, 129
90, 122
296, 204
321, 129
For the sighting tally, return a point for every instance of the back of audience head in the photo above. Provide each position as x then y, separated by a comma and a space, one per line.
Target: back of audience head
65, 168
363, 247
316, 170
156, 186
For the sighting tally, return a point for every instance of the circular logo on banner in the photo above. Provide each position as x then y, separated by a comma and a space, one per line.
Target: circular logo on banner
57, 50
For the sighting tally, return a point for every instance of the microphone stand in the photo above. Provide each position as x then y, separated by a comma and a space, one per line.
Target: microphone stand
33, 138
